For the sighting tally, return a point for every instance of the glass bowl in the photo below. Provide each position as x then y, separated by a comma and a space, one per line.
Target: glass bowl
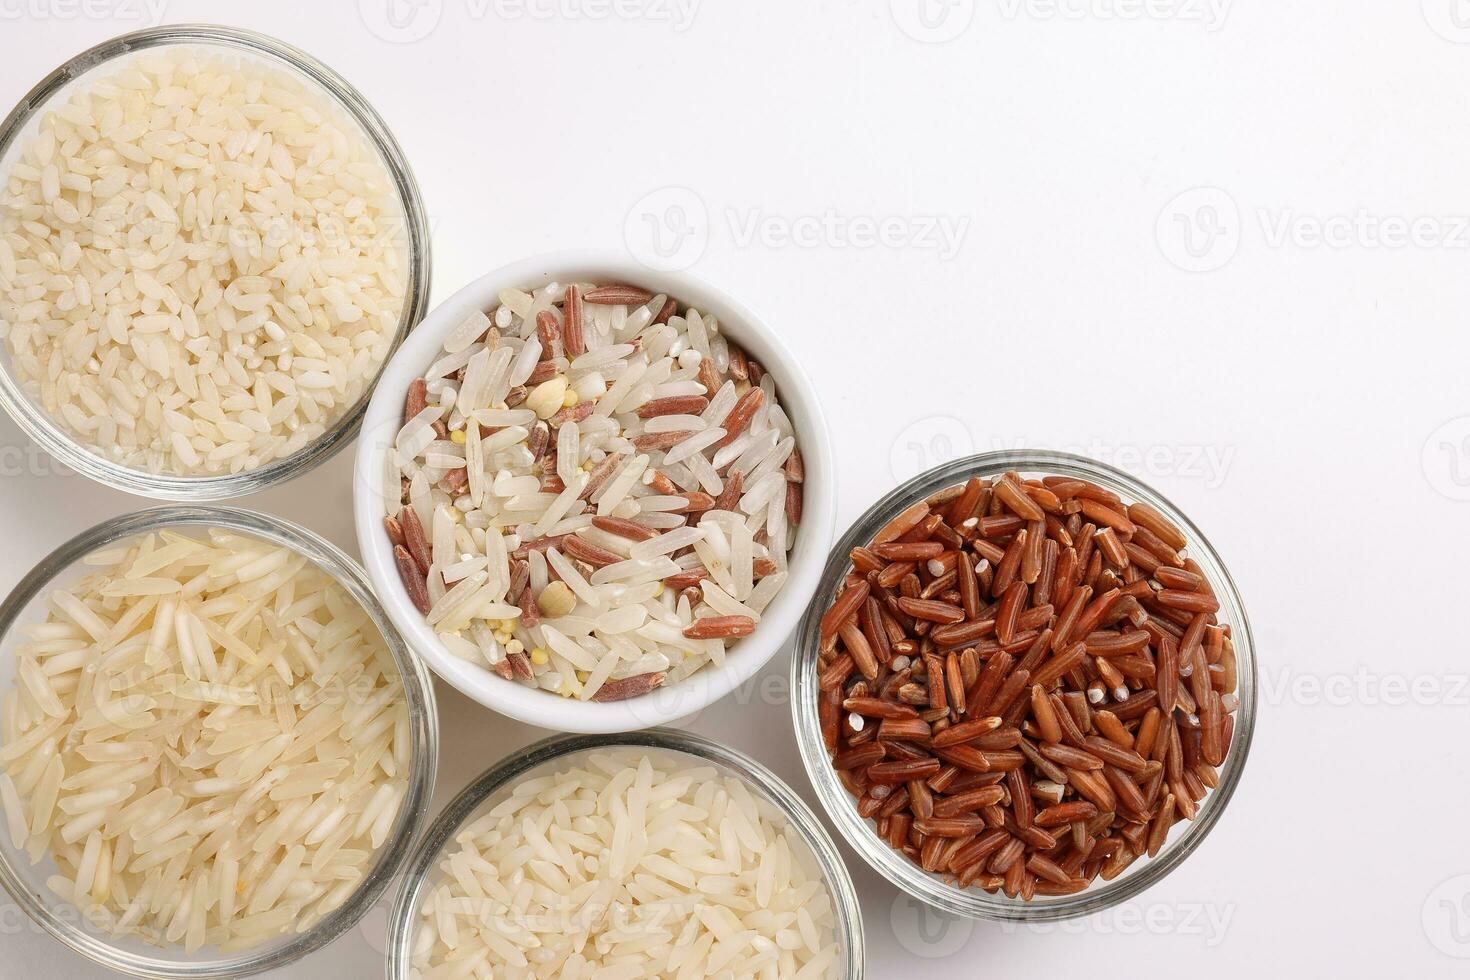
894, 865
54, 90
496, 783
26, 883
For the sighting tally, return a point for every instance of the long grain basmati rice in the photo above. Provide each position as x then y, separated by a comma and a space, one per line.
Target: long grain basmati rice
627, 863
217, 769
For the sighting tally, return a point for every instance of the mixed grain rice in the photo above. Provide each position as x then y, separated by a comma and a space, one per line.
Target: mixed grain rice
592, 493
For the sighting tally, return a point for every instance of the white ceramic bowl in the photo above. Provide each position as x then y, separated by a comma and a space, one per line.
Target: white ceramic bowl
709, 684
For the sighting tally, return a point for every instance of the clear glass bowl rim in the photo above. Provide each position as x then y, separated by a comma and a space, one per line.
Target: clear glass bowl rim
424, 728
52, 437
846, 908
896, 867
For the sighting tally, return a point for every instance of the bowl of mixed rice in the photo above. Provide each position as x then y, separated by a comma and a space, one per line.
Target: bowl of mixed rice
593, 497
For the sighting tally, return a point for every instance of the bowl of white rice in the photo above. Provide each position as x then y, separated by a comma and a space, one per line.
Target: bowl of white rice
592, 496
215, 752
210, 244
658, 853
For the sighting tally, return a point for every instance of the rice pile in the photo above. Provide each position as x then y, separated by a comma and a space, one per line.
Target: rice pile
209, 739
1025, 683
592, 494
626, 864
201, 263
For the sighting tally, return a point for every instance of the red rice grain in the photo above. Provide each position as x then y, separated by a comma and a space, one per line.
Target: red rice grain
1024, 683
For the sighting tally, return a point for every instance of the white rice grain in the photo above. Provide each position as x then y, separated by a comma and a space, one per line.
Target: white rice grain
546, 463
702, 874
227, 224
202, 740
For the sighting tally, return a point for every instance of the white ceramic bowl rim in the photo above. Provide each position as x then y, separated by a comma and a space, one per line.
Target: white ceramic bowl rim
710, 683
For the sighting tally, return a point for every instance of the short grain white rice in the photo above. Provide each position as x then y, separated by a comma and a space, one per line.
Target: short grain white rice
201, 263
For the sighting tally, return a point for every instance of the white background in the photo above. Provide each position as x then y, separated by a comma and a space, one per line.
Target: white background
1305, 402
